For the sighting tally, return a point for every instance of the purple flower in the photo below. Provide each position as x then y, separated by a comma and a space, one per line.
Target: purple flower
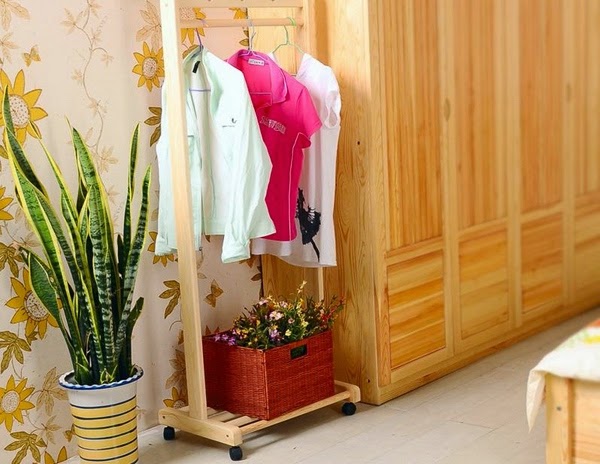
273, 334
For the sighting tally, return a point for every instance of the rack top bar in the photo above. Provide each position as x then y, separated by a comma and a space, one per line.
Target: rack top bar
241, 3
211, 23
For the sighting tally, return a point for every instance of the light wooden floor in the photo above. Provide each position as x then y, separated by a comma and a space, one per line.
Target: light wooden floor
474, 416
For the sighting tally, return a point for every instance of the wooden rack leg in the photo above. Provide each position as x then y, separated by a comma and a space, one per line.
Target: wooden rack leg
178, 148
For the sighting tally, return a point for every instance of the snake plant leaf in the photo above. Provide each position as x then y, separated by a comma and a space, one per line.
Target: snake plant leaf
133, 152
121, 256
140, 236
133, 262
44, 288
82, 288
13, 144
100, 249
83, 221
82, 278
135, 314
71, 218
91, 179
44, 220
43, 230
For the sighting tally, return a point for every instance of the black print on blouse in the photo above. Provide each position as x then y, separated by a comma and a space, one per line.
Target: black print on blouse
310, 222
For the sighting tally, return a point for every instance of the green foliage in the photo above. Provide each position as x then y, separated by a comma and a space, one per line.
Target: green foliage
275, 322
82, 280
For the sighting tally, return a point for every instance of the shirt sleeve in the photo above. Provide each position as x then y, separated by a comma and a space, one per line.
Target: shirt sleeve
308, 117
165, 237
248, 214
333, 103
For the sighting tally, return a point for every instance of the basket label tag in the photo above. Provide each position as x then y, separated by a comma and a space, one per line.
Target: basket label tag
298, 352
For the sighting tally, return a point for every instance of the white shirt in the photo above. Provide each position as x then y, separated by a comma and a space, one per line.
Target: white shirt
229, 163
315, 244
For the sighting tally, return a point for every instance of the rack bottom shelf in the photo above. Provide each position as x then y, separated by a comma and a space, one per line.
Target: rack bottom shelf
229, 429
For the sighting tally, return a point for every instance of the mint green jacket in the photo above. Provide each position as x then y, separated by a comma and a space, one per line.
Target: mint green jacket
228, 161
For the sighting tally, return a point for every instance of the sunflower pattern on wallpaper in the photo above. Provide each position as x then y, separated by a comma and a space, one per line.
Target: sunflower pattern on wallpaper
27, 412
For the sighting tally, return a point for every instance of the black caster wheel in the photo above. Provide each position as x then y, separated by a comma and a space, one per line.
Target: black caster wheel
169, 433
235, 453
348, 409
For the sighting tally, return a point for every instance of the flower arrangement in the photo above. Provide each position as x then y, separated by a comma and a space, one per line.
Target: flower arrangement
275, 322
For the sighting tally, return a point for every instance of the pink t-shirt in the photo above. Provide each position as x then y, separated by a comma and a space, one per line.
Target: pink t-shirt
287, 119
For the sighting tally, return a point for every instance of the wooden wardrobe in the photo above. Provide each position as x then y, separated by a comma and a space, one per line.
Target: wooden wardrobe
468, 183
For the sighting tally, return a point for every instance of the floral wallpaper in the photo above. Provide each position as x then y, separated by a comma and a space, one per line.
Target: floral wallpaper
98, 65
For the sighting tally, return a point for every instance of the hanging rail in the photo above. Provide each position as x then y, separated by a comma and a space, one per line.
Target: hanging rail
259, 22
241, 3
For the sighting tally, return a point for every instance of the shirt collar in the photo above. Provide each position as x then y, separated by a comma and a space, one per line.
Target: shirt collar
207, 61
277, 86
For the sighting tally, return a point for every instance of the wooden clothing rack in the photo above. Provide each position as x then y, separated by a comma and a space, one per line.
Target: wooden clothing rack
197, 418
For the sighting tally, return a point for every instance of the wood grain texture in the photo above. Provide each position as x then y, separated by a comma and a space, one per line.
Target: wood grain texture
412, 120
584, 90
484, 282
416, 305
460, 128
541, 64
569, 121
587, 250
572, 411
479, 112
449, 156
240, 3
586, 426
542, 242
560, 415
378, 193
178, 147
407, 378
507, 18
343, 43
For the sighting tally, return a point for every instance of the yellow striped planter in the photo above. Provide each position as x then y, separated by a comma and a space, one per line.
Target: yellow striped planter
105, 419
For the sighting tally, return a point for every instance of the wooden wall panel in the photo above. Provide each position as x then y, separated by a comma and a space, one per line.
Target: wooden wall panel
412, 120
542, 83
479, 114
587, 251
585, 92
542, 260
416, 304
483, 281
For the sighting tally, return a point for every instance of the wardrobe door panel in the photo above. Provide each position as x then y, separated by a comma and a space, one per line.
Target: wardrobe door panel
584, 95
587, 252
584, 91
416, 307
483, 286
480, 111
412, 121
478, 124
542, 266
541, 88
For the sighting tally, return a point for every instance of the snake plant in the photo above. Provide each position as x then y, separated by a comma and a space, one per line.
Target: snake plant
81, 277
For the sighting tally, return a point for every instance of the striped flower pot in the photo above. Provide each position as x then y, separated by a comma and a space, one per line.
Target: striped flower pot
105, 419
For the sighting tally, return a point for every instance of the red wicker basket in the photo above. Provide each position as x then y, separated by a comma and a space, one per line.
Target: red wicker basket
268, 384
